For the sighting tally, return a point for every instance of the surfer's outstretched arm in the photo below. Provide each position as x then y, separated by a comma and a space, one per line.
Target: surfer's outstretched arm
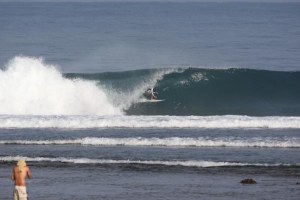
153, 96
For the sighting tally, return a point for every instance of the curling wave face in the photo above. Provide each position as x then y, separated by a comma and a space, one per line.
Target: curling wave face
195, 91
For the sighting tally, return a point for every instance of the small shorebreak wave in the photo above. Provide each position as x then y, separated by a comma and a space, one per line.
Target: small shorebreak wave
187, 163
168, 142
122, 121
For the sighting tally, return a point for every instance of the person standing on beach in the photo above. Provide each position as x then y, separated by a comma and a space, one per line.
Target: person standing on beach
19, 174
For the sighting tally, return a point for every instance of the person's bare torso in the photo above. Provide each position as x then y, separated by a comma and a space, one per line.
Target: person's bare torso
20, 176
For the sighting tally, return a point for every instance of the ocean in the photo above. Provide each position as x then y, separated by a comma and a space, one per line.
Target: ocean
73, 78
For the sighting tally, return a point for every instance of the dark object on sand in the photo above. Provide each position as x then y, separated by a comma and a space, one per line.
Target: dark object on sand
248, 181
298, 183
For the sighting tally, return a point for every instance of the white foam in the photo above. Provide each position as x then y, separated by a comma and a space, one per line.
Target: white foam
28, 86
187, 163
114, 121
169, 142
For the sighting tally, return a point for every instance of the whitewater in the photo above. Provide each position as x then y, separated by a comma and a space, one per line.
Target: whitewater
122, 121
30, 87
271, 142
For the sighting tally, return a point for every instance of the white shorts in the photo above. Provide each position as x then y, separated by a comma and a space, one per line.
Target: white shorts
20, 193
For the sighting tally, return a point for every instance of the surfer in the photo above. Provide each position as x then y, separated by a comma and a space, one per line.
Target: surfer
20, 172
151, 92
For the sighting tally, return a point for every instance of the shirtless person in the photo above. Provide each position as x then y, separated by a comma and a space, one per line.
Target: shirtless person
151, 92
19, 174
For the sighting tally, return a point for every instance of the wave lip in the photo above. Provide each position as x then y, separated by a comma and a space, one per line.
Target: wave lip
120, 121
187, 163
168, 142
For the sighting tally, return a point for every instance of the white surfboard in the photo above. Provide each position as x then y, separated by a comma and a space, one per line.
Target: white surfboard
151, 101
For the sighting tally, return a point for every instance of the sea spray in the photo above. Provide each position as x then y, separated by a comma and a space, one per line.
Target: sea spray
29, 86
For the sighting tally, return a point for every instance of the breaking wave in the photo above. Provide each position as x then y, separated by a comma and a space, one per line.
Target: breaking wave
193, 91
169, 142
29, 86
122, 121
187, 163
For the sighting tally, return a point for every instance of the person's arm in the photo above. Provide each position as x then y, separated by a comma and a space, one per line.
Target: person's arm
154, 95
29, 173
13, 175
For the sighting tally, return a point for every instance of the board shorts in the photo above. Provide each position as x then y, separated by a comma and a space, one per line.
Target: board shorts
20, 193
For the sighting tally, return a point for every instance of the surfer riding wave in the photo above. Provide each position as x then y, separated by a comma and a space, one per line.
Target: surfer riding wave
150, 93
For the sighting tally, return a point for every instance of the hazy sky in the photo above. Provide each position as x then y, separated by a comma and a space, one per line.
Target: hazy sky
149, 0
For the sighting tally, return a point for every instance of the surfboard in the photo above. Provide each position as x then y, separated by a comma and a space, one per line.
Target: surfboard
151, 101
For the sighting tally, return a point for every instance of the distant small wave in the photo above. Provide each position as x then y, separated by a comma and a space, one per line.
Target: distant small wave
187, 163
168, 142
